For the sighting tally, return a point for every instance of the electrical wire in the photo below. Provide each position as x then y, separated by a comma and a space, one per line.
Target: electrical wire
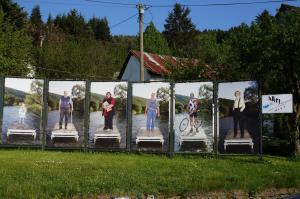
148, 10
75, 4
112, 3
123, 21
222, 4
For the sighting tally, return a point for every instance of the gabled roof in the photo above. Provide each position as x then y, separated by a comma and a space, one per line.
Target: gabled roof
159, 64
154, 63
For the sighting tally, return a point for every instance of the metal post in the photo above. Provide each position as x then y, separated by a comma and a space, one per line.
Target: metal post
141, 13
1, 103
45, 113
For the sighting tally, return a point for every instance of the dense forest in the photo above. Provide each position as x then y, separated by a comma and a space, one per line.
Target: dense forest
68, 46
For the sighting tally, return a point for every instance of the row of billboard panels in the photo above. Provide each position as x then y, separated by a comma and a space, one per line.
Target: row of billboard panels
146, 120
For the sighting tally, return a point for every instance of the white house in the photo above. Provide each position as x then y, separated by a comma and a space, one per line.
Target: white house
155, 66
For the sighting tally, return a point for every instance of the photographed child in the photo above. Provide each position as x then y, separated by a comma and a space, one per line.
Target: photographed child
152, 110
22, 113
238, 115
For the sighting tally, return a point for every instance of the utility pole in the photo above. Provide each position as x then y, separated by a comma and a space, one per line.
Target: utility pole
141, 13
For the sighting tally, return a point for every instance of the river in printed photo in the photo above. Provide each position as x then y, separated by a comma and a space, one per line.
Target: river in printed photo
10, 117
78, 121
139, 121
251, 125
206, 127
97, 120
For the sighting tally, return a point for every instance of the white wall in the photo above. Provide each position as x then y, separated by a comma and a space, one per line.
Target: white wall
132, 71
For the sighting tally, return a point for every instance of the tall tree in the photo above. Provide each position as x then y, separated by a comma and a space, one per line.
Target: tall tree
15, 50
13, 13
100, 29
73, 23
103, 31
37, 26
179, 30
154, 42
36, 17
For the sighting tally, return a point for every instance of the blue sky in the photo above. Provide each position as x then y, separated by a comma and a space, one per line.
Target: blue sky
220, 17
104, 87
226, 90
145, 89
58, 87
187, 88
19, 84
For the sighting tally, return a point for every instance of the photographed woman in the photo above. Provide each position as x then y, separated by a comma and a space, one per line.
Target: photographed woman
152, 110
108, 105
238, 114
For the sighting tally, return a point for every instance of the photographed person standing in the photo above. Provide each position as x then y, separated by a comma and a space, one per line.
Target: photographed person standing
108, 105
22, 113
238, 114
192, 109
152, 110
65, 108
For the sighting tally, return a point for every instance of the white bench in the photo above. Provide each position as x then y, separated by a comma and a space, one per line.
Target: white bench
107, 136
246, 142
104, 134
70, 132
149, 139
149, 136
31, 132
236, 141
198, 137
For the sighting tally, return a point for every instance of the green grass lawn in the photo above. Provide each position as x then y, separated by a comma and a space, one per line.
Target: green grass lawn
48, 174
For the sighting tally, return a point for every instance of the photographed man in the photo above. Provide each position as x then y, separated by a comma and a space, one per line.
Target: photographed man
65, 107
192, 109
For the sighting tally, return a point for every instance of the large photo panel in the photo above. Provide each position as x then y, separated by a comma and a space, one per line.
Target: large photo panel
193, 118
238, 117
150, 116
22, 111
66, 104
108, 111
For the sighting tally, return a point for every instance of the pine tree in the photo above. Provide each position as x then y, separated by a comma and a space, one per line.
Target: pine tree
15, 49
13, 13
179, 29
154, 42
103, 30
36, 17
100, 29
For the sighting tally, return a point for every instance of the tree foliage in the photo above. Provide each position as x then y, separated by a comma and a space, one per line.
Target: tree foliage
154, 41
15, 49
180, 30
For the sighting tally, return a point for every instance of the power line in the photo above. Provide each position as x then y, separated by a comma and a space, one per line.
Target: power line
224, 4
113, 3
74, 4
147, 23
123, 21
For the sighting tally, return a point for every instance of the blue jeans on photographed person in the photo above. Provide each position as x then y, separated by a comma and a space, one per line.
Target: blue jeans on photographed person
151, 114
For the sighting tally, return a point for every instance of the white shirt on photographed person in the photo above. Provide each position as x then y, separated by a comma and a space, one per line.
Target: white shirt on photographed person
240, 104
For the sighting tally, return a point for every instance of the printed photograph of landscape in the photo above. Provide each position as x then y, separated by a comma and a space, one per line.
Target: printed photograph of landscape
247, 116
23, 99
73, 135
200, 137
150, 125
99, 136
